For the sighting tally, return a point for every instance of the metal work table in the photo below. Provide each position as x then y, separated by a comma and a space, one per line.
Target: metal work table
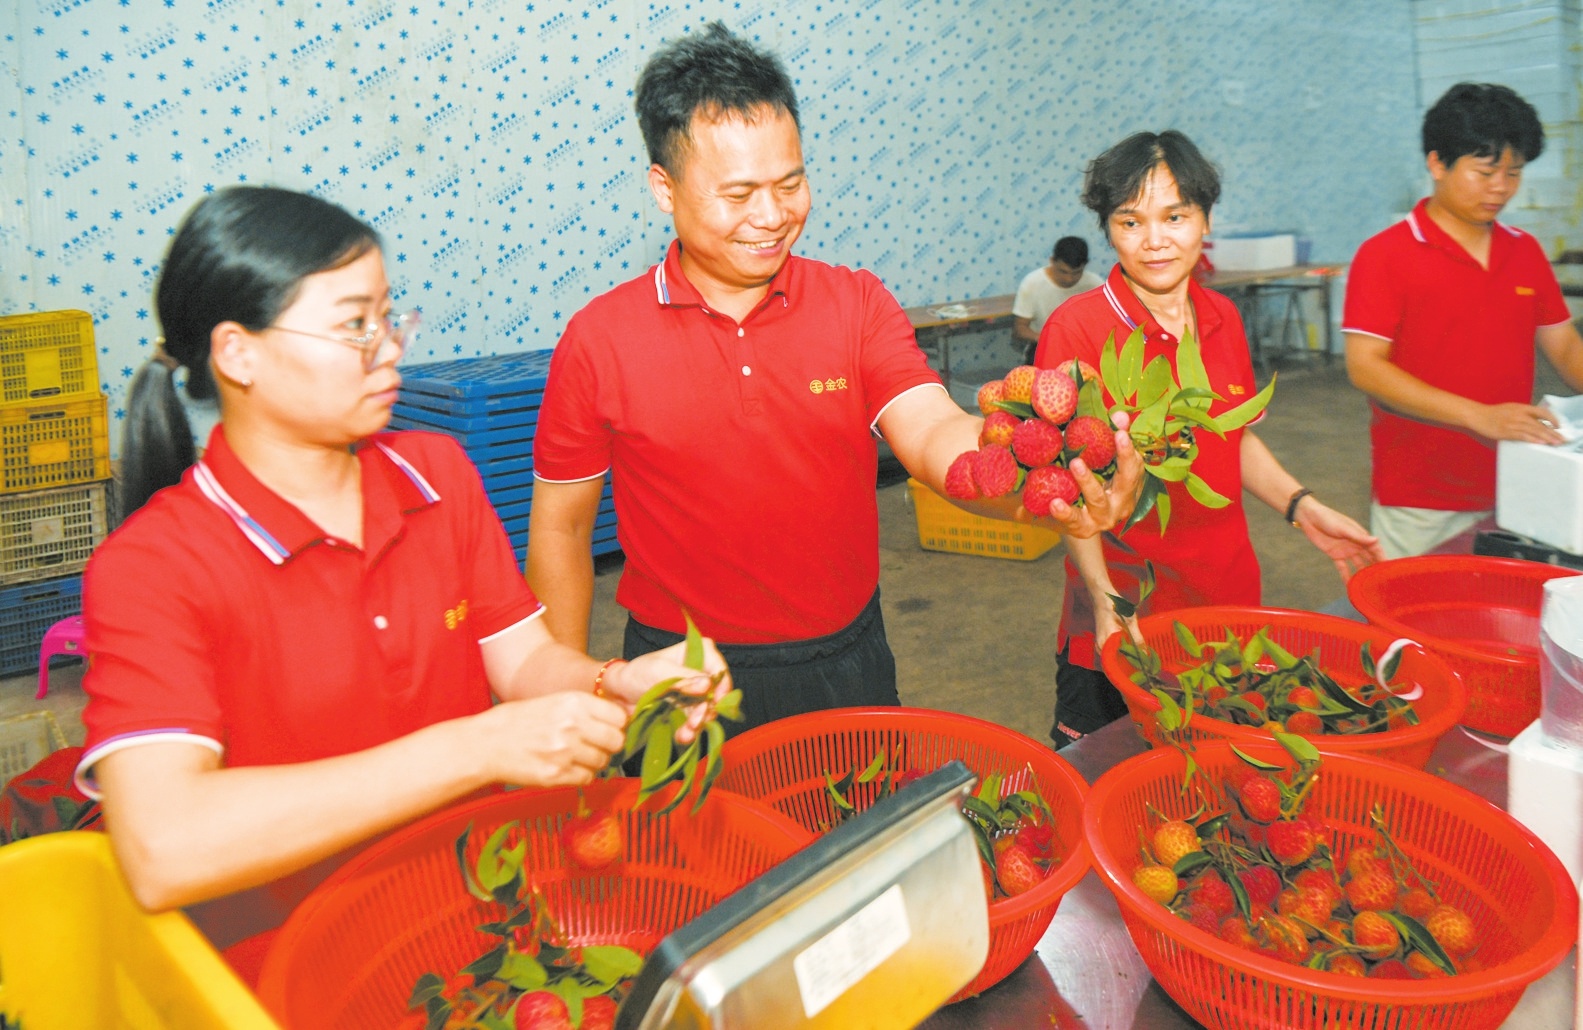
936, 324
1086, 974
1289, 284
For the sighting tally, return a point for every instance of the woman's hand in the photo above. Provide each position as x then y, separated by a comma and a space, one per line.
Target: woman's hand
1107, 623
631, 680
1105, 505
1342, 540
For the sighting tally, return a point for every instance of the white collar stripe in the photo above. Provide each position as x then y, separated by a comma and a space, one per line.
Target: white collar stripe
272, 548
1115, 304
1412, 223
429, 493
662, 290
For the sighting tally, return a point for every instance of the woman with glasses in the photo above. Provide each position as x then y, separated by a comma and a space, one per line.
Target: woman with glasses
293, 641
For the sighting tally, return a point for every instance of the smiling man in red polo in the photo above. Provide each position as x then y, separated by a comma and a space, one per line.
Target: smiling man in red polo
734, 392
1442, 313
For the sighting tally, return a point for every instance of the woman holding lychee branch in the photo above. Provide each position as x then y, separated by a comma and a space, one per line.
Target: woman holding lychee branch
1153, 194
293, 643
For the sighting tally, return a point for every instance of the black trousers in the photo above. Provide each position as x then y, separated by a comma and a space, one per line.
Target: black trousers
1085, 700
848, 668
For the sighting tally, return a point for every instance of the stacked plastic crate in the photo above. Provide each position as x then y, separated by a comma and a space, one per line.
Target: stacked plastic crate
54, 475
491, 406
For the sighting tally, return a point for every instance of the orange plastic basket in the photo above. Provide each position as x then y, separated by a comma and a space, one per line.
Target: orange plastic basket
1485, 862
784, 763
1480, 614
1338, 642
351, 952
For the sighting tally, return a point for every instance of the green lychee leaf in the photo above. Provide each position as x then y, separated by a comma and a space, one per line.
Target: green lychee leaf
1283, 658
1150, 495
522, 971
1190, 364
1255, 762
1239, 893
428, 986
1242, 704
693, 653
1191, 863
874, 767
1158, 384
1209, 827
715, 737
487, 965
1162, 504
1300, 748
656, 755
1130, 366
730, 706
1247, 411
490, 866
1146, 582
1170, 714
1418, 935
1184, 637
1366, 656
439, 1013
1018, 408
1388, 670
1203, 493
1124, 608
1188, 413
1109, 368
836, 794
610, 964
1171, 472
474, 888
1091, 402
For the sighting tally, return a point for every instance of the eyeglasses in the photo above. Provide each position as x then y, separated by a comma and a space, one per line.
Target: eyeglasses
400, 330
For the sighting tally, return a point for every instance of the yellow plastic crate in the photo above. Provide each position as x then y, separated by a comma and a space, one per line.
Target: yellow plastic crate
50, 445
77, 951
47, 357
25, 741
50, 533
942, 526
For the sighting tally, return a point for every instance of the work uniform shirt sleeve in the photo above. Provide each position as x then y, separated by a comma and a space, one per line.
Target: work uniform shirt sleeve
1375, 301
891, 361
1552, 303
573, 439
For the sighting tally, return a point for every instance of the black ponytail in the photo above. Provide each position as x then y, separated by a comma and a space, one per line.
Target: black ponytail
239, 256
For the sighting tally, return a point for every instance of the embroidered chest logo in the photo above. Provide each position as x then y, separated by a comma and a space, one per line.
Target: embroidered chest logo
454, 617
1235, 390
1525, 291
827, 385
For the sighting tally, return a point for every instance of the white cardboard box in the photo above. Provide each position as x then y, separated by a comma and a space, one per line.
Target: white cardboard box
1539, 489
1252, 253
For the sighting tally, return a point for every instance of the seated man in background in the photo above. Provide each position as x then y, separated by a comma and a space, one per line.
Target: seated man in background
1045, 289
1442, 313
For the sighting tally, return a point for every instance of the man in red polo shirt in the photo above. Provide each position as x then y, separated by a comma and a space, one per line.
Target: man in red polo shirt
734, 392
1442, 313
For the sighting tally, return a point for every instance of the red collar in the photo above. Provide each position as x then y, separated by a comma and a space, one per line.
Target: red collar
1428, 232
1131, 311
391, 489
672, 290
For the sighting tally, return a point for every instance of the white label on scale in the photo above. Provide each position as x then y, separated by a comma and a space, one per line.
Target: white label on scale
845, 955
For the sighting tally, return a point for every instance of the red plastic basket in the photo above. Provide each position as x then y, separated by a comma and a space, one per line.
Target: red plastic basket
1480, 614
784, 763
1485, 862
1338, 642
351, 952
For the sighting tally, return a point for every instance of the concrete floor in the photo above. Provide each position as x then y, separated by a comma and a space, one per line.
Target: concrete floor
976, 635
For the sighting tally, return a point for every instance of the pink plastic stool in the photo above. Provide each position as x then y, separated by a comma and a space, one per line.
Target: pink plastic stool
65, 637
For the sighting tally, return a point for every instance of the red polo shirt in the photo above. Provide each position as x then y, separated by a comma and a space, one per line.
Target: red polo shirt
219, 613
743, 454
1205, 556
1455, 325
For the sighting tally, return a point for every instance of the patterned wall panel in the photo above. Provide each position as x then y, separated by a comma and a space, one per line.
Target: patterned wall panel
493, 143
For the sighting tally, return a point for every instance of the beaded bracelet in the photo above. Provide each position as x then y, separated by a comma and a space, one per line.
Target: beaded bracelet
599, 679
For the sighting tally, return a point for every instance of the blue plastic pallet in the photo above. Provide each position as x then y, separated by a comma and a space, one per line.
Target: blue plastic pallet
480, 379
26, 614
410, 416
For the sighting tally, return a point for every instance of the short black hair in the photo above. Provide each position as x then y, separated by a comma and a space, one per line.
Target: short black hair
1482, 119
1071, 251
713, 73
1117, 176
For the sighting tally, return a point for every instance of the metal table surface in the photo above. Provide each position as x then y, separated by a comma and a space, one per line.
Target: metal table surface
1085, 972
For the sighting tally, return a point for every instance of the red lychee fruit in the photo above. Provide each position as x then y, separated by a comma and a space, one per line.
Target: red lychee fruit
995, 471
1291, 843
1045, 484
1174, 841
1261, 799
1286, 937
989, 395
1418, 903
1017, 871
959, 482
1422, 966
1374, 891
1157, 881
1306, 724
541, 1010
1076, 369
1093, 438
1261, 883
1054, 396
1035, 442
1019, 384
1391, 969
1303, 697
1040, 840
1211, 891
1201, 917
1375, 934
1346, 964
593, 840
599, 1013
998, 428
1452, 929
